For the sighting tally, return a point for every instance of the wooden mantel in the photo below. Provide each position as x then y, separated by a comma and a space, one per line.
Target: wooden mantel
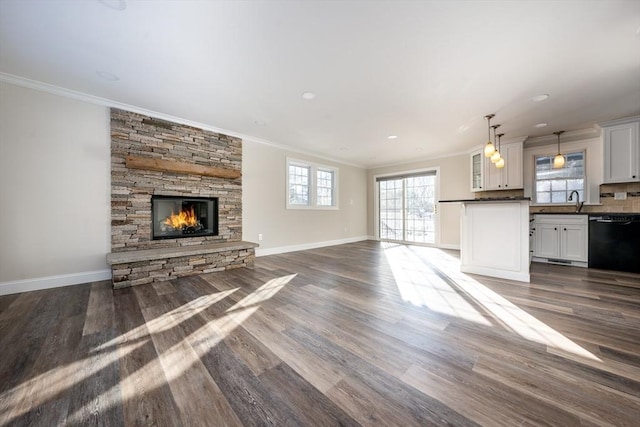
153, 164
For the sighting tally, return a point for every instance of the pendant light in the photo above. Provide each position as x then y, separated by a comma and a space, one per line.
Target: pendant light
489, 149
496, 155
558, 160
500, 163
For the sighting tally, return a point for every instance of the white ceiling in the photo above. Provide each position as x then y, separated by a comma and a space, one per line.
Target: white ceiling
426, 71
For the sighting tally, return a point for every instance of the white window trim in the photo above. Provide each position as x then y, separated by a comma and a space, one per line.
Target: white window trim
313, 196
593, 168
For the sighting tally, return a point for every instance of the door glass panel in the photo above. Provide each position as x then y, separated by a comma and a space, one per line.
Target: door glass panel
406, 209
420, 200
391, 212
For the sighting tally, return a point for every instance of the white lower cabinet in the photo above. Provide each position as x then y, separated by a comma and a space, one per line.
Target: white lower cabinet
561, 238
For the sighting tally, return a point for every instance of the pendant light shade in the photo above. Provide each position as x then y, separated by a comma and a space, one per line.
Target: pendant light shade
558, 160
496, 154
489, 149
500, 163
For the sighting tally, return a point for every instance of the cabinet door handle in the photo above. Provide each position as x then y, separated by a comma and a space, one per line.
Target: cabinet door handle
565, 229
555, 228
506, 185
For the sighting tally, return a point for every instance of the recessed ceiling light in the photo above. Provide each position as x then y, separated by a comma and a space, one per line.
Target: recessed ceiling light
540, 125
114, 4
308, 95
392, 137
259, 122
107, 76
344, 148
539, 98
418, 148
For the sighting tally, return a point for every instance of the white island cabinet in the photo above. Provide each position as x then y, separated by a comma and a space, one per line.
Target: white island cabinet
494, 237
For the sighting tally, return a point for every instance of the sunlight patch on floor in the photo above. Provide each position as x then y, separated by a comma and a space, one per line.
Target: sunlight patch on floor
422, 286
428, 276
264, 292
38, 390
182, 355
170, 364
168, 320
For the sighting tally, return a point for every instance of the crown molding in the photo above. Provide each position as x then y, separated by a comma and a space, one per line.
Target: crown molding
621, 121
420, 159
569, 136
105, 102
520, 139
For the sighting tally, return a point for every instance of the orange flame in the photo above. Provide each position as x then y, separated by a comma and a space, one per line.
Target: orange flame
183, 219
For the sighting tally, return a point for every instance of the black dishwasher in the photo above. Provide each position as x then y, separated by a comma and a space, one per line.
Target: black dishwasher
614, 242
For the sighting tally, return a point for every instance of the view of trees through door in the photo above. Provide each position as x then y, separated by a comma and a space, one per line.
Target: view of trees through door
407, 208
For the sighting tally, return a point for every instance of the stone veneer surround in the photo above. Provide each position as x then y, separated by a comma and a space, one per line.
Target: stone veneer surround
131, 191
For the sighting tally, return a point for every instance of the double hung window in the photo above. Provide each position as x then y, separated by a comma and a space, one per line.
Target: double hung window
555, 185
311, 186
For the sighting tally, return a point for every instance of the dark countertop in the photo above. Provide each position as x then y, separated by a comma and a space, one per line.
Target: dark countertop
488, 199
586, 213
589, 213
567, 213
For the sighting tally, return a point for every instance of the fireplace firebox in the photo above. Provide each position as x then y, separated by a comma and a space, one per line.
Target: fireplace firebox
177, 217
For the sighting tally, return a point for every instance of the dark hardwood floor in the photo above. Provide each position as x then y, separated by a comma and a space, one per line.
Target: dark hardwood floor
367, 333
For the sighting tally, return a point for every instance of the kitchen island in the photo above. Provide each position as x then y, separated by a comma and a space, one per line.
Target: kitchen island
494, 237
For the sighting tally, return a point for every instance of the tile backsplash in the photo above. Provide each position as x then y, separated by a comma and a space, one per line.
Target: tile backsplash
607, 201
631, 204
498, 193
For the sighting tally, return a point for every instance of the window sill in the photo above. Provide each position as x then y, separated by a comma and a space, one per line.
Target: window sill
313, 208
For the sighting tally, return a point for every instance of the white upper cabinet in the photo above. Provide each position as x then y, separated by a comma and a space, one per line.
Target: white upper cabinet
477, 170
510, 177
621, 150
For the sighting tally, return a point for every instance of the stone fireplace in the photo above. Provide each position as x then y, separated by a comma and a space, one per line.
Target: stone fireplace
176, 201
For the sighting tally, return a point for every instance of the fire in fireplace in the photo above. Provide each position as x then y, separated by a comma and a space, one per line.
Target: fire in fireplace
177, 217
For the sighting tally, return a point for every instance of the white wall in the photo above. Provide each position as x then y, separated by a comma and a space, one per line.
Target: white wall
54, 189
55, 194
264, 204
455, 183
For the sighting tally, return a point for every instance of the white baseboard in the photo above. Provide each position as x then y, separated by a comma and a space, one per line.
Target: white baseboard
16, 286
560, 262
449, 246
495, 272
306, 246
439, 246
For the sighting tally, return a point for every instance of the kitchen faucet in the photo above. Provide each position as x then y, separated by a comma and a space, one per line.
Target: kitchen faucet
578, 204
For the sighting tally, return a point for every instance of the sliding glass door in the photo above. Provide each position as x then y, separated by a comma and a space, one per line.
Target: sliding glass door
407, 208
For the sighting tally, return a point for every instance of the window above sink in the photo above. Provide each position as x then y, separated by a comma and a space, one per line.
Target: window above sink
553, 186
